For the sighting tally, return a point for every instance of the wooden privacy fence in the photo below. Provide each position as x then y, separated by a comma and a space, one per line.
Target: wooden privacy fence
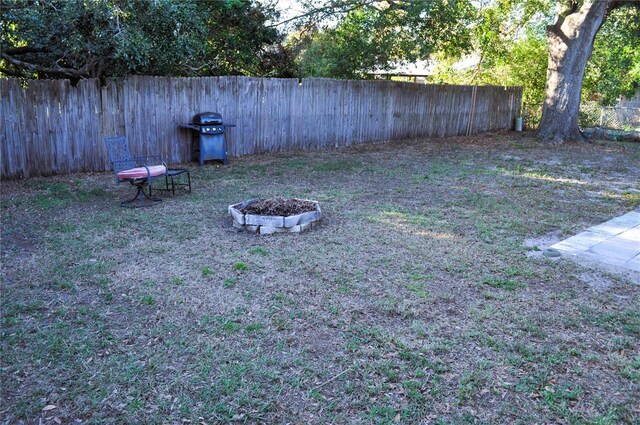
51, 127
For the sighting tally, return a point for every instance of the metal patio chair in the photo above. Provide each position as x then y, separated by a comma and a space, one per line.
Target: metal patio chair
139, 171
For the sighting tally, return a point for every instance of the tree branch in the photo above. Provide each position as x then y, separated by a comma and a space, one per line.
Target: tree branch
14, 6
24, 50
615, 4
477, 70
11, 72
67, 72
331, 9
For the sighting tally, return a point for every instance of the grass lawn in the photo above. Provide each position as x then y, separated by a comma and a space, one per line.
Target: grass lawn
415, 300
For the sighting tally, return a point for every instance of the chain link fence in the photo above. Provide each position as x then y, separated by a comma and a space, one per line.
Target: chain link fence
612, 118
593, 119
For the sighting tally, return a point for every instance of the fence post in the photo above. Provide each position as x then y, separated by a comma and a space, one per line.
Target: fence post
601, 116
474, 92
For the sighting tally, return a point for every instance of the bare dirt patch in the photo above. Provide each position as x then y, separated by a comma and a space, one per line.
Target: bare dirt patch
539, 244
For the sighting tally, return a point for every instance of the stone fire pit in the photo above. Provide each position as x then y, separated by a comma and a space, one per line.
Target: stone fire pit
275, 215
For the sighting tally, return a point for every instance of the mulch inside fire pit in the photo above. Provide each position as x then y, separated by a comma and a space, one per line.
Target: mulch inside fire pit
279, 206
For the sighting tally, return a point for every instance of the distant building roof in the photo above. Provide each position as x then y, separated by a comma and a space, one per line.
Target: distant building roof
417, 69
425, 68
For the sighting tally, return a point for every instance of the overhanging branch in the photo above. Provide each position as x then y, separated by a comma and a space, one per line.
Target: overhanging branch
24, 50
331, 9
11, 72
66, 72
15, 6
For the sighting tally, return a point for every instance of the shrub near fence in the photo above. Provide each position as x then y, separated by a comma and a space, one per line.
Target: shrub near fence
50, 127
591, 115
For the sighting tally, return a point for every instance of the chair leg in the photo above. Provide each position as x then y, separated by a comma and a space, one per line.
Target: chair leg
186, 186
140, 196
151, 198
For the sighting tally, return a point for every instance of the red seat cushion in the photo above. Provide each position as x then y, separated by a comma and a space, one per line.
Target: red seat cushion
141, 172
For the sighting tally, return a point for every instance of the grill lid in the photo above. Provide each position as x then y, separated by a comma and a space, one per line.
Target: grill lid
207, 118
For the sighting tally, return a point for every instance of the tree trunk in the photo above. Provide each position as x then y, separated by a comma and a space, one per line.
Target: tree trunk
570, 40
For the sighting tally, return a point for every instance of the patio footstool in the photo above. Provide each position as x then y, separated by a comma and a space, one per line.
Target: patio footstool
170, 176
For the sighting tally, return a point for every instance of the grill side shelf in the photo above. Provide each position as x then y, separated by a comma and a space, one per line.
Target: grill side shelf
197, 127
190, 126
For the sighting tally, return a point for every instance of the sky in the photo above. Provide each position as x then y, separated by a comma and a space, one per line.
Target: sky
289, 8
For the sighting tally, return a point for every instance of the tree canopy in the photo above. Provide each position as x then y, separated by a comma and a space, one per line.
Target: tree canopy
374, 35
614, 67
520, 58
334, 38
508, 37
103, 38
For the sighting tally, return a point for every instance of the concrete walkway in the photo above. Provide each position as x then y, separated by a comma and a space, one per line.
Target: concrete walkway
616, 242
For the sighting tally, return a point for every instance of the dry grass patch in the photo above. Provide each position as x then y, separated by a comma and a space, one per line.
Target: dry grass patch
414, 301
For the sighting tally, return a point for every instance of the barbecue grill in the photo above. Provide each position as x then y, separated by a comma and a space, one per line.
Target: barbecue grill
208, 141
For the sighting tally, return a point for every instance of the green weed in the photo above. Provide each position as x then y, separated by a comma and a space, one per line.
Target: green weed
177, 281
229, 282
631, 369
240, 266
260, 251
502, 283
253, 327
419, 289
148, 299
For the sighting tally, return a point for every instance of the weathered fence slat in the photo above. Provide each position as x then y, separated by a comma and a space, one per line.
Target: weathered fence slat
51, 127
